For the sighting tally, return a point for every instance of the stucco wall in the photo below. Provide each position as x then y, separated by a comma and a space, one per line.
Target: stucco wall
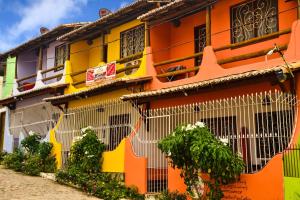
10, 75
27, 65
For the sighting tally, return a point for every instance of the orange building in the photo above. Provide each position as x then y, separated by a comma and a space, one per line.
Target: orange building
233, 65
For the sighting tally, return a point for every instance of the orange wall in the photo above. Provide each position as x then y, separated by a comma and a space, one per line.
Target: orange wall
221, 30
135, 169
180, 40
169, 42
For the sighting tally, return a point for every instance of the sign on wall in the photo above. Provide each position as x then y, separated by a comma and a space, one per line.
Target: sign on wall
100, 73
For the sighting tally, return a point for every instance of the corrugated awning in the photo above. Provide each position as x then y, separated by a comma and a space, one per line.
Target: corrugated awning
142, 96
92, 91
32, 93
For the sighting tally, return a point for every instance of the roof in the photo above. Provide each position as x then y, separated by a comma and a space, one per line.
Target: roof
50, 35
130, 11
31, 93
177, 6
204, 84
95, 90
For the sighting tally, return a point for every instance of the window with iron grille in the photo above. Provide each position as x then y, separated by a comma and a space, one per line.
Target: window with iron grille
268, 126
253, 19
200, 41
60, 56
132, 41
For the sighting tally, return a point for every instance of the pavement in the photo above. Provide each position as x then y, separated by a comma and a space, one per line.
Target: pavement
17, 186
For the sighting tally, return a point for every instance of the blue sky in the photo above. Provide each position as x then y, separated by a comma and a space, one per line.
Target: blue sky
20, 20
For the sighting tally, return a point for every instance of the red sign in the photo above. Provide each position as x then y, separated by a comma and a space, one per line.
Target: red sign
98, 74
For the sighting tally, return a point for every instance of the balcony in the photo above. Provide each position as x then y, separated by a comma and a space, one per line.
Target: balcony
180, 53
35, 72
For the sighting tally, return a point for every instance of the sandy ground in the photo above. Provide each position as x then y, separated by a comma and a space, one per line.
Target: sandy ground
16, 186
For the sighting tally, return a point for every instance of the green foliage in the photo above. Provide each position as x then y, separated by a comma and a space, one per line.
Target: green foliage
32, 165
101, 185
37, 157
48, 162
31, 143
86, 152
83, 170
2, 155
14, 160
166, 195
194, 150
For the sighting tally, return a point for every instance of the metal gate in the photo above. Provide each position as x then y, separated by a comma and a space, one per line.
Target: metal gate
257, 126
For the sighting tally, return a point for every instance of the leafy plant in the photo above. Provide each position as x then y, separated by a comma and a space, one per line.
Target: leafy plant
36, 158
195, 150
86, 153
14, 160
48, 162
2, 155
166, 195
31, 143
32, 165
83, 170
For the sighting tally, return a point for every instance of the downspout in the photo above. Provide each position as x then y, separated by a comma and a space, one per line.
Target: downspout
208, 25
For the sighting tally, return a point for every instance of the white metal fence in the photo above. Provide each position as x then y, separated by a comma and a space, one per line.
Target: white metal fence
110, 119
258, 126
38, 118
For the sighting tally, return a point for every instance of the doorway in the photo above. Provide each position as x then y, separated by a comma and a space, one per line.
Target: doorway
2, 126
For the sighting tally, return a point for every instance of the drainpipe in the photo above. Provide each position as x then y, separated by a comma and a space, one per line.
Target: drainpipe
208, 25
147, 34
40, 59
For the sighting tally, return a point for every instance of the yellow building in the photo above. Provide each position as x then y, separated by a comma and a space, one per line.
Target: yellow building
118, 40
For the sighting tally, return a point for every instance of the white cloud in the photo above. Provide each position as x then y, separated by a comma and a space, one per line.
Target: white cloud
38, 13
123, 4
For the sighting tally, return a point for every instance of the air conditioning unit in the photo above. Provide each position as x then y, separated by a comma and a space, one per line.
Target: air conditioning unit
132, 66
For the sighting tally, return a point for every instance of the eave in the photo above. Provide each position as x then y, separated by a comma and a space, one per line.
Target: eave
96, 90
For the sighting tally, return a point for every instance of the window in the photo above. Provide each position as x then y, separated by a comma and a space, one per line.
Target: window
60, 56
132, 41
273, 133
119, 129
200, 41
253, 19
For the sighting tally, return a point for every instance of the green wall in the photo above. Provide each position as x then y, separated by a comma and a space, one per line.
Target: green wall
10, 75
291, 188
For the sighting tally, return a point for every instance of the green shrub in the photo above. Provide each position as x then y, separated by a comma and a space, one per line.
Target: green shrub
194, 150
37, 157
32, 165
31, 143
83, 170
86, 153
2, 155
48, 162
14, 160
166, 195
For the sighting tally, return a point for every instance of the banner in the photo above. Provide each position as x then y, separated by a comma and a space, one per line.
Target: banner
101, 73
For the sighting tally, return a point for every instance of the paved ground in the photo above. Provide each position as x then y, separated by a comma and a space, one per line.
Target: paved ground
16, 186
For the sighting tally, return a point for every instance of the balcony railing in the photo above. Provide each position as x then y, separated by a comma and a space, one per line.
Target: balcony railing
221, 61
118, 71
40, 77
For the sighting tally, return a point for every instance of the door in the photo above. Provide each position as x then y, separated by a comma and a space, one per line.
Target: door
2, 126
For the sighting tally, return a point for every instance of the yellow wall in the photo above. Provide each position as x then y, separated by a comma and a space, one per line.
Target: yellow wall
114, 161
84, 56
114, 47
101, 97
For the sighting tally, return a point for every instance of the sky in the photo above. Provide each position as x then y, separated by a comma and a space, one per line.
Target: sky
20, 20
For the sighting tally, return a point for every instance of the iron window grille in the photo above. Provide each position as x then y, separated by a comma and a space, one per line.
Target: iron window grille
60, 56
132, 41
200, 42
253, 19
